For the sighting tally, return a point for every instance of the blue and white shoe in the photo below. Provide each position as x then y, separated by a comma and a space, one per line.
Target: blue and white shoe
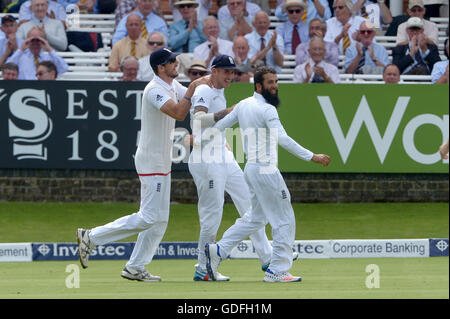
280, 277
84, 246
213, 260
294, 258
202, 275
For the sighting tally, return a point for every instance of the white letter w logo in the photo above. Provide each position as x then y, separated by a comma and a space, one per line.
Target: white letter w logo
363, 115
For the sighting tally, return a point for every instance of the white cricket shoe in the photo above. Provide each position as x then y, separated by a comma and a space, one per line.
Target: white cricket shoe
84, 246
213, 260
143, 275
280, 277
202, 275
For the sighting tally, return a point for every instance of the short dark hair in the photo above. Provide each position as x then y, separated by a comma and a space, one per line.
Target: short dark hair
260, 72
10, 66
50, 66
389, 65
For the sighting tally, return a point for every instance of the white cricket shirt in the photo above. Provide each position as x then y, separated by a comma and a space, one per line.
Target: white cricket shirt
153, 155
261, 131
214, 100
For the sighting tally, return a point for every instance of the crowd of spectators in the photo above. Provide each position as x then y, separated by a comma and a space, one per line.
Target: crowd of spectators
317, 32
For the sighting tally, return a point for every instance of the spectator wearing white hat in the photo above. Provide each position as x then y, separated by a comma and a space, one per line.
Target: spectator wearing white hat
186, 34
196, 70
316, 9
416, 8
418, 56
294, 31
202, 9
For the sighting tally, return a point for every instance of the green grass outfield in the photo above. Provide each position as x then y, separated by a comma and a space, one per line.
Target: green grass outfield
325, 278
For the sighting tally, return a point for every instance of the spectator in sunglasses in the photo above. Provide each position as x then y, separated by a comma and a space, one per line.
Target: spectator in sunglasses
46, 71
416, 8
364, 56
294, 31
316, 9
186, 34
202, 9
197, 70
155, 40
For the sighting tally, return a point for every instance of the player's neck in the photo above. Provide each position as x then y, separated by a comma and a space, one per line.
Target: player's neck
166, 78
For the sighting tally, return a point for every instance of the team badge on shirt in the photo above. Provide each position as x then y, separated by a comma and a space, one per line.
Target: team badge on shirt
201, 100
158, 98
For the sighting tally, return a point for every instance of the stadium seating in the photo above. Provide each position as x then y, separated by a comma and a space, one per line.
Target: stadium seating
94, 65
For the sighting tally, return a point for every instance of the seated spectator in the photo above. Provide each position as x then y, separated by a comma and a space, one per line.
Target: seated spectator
418, 56
416, 9
365, 56
294, 31
240, 50
214, 45
129, 66
52, 29
237, 23
396, 21
150, 22
186, 34
317, 28
265, 45
342, 28
316, 9
439, 74
243, 73
156, 40
33, 50
10, 71
55, 10
202, 9
316, 70
46, 70
196, 70
375, 10
8, 43
250, 7
133, 44
391, 74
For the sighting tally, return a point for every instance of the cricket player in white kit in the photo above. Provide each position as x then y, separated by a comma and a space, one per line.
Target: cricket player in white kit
164, 101
215, 169
262, 131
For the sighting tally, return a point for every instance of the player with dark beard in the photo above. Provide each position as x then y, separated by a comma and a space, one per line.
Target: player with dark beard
270, 196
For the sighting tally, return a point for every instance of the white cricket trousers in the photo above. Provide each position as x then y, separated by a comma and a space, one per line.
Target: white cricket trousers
212, 180
150, 222
271, 201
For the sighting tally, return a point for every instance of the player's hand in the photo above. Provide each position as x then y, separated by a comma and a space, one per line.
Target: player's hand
321, 159
203, 80
443, 150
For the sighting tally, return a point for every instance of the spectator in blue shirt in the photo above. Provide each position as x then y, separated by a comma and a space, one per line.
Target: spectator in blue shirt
294, 31
439, 75
365, 56
187, 33
151, 22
